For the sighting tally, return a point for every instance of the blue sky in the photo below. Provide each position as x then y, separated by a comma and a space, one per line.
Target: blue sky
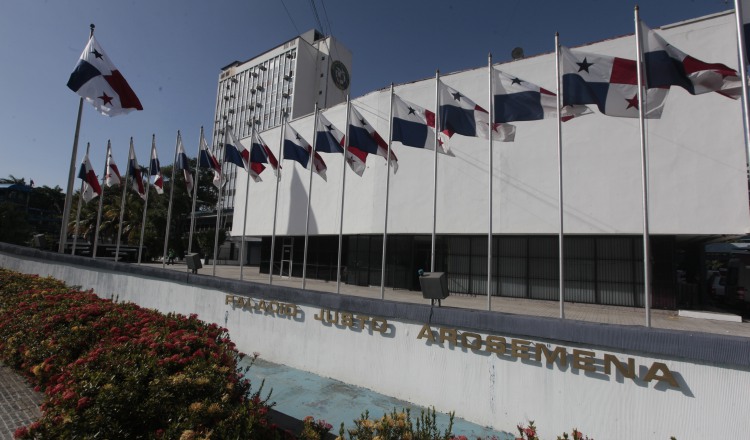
171, 53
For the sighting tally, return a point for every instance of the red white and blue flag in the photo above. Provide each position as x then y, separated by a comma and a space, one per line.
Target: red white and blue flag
515, 99
609, 82
666, 66
99, 82
461, 115
183, 163
260, 153
298, 149
112, 177
91, 187
414, 126
364, 137
236, 153
206, 159
155, 171
135, 174
329, 139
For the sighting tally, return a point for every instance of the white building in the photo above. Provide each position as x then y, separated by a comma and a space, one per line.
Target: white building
698, 191
306, 70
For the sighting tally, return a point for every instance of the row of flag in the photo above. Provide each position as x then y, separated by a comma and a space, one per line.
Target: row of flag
609, 83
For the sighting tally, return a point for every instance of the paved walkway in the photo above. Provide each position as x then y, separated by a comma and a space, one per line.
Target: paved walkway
19, 403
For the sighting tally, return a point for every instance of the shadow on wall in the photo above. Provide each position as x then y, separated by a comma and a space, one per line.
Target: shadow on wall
298, 204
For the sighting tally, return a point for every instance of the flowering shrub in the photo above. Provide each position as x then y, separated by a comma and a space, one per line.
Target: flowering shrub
114, 370
398, 426
314, 430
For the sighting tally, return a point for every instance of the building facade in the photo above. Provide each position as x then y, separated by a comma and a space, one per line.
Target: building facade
287, 80
697, 192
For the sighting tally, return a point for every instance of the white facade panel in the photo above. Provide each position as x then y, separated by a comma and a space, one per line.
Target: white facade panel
697, 171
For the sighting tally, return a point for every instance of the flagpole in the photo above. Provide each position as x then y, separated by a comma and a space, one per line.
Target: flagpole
309, 196
343, 191
276, 200
218, 204
78, 212
742, 52
101, 201
195, 193
169, 209
122, 203
644, 171
387, 194
489, 232
435, 169
560, 241
145, 204
71, 172
244, 217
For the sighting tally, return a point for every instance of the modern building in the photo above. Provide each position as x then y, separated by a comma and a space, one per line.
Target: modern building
697, 192
289, 79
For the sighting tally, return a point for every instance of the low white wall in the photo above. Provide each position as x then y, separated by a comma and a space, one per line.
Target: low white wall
497, 390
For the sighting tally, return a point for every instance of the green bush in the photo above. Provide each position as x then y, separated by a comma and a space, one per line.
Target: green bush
112, 370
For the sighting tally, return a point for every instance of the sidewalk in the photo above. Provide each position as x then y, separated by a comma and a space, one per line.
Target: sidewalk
19, 403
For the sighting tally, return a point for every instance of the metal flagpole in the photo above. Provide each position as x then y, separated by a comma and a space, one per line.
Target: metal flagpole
343, 191
169, 209
101, 200
244, 217
276, 201
71, 173
218, 202
742, 52
387, 193
309, 197
122, 202
195, 192
247, 192
644, 171
145, 204
490, 161
434, 175
78, 212
560, 239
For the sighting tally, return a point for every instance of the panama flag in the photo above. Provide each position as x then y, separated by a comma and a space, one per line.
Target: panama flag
183, 163
460, 115
99, 82
667, 66
517, 100
414, 126
235, 152
135, 174
113, 174
206, 159
364, 137
298, 149
609, 82
329, 139
260, 154
91, 186
155, 171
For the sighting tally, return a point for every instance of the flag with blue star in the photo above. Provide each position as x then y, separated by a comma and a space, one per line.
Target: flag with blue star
611, 83
99, 82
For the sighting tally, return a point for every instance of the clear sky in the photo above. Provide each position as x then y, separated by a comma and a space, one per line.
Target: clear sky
171, 53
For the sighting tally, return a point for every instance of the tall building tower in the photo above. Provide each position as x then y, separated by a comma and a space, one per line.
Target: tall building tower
291, 78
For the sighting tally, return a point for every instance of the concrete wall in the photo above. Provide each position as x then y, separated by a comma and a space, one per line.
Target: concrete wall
697, 179
707, 400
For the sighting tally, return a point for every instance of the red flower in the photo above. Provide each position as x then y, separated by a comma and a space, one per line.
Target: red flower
83, 402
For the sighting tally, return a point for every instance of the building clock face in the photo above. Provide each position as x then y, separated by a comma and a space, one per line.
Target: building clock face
340, 75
